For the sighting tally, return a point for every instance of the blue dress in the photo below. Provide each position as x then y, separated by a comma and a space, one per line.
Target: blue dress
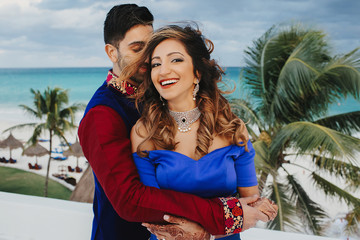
216, 174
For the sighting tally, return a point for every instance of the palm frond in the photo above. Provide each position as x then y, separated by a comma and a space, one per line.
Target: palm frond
332, 190
262, 158
70, 111
39, 128
60, 134
286, 217
20, 126
309, 211
30, 111
308, 137
262, 164
347, 171
295, 83
340, 78
347, 123
246, 112
353, 219
253, 58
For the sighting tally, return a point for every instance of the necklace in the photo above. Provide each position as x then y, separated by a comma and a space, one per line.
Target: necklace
185, 119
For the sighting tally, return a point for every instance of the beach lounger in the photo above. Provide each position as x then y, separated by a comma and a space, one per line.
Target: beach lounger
78, 170
31, 166
70, 169
60, 158
37, 167
12, 160
70, 180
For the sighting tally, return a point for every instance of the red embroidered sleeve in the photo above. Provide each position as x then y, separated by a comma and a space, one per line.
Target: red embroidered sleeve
234, 216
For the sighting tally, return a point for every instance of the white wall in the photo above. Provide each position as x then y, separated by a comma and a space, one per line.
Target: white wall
35, 218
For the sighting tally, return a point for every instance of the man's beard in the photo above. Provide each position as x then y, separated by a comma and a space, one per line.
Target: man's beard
122, 62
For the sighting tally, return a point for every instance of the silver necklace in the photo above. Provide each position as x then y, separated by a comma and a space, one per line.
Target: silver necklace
185, 119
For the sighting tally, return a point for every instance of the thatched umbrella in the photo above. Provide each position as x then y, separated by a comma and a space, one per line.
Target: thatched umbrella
84, 190
36, 150
11, 143
74, 150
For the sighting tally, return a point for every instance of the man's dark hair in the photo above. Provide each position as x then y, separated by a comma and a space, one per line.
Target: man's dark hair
123, 17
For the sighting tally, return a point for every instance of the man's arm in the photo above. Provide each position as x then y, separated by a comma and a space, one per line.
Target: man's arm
181, 227
105, 143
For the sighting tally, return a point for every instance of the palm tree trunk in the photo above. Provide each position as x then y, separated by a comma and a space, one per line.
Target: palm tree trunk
48, 168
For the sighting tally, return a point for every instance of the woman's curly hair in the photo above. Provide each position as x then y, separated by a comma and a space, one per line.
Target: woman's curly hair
216, 116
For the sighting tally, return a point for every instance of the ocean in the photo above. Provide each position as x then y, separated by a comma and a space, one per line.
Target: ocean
82, 83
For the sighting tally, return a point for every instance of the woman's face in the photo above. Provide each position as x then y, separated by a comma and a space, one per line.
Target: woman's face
172, 72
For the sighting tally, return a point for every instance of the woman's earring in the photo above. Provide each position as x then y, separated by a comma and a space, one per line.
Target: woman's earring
196, 89
161, 99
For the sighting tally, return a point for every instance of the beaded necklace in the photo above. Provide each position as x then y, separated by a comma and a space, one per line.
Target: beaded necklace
124, 87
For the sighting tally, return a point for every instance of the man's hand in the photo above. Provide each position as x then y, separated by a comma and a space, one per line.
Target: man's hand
179, 229
252, 215
266, 206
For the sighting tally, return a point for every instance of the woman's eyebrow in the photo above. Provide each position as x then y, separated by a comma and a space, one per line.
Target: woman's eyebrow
169, 54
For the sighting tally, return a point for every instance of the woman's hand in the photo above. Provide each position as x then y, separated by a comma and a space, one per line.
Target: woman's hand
266, 206
179, 229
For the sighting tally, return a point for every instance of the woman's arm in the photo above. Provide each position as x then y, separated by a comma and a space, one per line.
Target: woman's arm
246, 176
248, 191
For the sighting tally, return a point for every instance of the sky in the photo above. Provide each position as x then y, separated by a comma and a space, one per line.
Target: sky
69, 33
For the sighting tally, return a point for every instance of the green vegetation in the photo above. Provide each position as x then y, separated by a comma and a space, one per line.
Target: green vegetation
18, 181
49, 108
293, 79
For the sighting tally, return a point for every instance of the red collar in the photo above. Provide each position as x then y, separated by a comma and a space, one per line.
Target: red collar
124, 87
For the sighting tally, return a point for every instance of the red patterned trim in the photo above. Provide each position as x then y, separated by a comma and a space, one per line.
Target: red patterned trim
124, 87
234, 216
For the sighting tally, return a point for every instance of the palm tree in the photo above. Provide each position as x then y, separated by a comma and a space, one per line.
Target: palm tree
55, 118
292, 80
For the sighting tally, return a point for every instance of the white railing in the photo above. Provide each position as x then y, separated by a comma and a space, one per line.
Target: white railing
25, 217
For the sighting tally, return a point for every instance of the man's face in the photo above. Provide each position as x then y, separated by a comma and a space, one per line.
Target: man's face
133, 42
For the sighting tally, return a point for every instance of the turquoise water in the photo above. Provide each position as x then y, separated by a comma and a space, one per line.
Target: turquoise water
82, 82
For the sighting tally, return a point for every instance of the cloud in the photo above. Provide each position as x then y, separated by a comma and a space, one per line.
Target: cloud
69, 4
72, 29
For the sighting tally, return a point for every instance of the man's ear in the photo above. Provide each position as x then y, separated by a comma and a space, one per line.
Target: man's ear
112, 53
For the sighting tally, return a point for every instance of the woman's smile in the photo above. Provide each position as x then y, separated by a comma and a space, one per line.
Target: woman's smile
167, 83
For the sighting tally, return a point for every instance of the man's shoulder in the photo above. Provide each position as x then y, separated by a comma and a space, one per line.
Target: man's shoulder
104, 95
102, 114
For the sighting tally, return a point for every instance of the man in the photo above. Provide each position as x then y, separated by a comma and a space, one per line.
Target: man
121, 201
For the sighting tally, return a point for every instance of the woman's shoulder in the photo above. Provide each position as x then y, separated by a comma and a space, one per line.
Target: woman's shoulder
138, 129
138, 135
219, 142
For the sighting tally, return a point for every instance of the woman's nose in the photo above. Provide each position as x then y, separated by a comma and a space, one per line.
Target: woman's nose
164, 69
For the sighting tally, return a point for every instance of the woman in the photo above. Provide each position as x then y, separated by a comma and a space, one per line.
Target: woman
187, 138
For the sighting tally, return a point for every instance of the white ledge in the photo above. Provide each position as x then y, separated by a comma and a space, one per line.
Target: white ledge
25, 217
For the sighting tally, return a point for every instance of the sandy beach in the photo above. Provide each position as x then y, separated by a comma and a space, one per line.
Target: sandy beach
56, 166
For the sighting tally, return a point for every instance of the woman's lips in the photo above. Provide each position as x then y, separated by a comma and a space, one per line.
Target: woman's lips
166, 83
